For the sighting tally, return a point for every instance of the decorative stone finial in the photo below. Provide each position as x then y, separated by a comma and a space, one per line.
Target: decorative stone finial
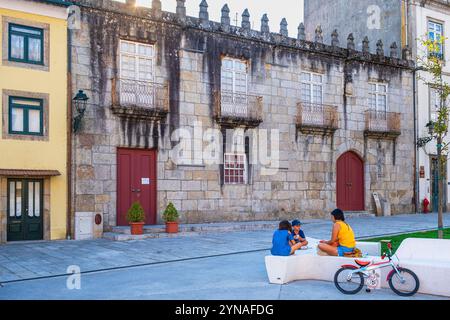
380, 49
156, 8
394, 50
301, 35
365, 45
318, 35
265, 24
156, 5
131, 3
225, 18
335, 38
406, 53
203, 15
350, 42
181, 9
245, 24
283, 28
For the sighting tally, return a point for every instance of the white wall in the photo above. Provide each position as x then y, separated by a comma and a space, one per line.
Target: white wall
423, 15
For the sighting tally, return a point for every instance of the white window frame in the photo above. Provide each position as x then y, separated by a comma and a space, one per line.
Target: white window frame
234, 72
245, 173
377, 94
433, 110
441, 35
311, 84
137, 56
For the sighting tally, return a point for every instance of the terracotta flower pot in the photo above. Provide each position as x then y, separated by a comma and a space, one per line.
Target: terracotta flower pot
137, 227
172, 227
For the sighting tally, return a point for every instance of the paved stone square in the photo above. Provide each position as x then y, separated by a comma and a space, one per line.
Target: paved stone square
220, 265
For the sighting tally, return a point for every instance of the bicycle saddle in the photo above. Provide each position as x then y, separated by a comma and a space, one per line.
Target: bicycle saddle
362, 263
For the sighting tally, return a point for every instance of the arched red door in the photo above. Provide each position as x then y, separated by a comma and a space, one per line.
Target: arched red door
350, 182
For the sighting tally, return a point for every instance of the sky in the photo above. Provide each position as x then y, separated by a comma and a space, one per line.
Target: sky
292, 10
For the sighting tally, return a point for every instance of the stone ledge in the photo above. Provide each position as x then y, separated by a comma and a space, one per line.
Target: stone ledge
139, 113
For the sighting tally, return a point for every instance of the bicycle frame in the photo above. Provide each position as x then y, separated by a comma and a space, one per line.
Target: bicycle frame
379, 265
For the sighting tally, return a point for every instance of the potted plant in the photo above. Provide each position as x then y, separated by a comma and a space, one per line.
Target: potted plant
170, 216
136, 218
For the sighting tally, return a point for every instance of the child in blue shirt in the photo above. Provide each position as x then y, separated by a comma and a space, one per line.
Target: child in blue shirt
298, 236
281, 241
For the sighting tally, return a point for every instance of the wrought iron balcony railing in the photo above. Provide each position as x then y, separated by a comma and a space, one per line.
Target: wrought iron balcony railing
143, 94
317, 118
380, 123
235, 107
140, 99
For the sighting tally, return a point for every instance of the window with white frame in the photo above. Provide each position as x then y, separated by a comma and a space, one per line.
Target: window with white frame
235, 168
436, 33
234, 86
378, 97
311, 87
136, 73
434, 103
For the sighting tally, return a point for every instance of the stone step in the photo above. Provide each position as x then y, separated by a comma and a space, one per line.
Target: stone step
354, 214
115, 236
205, 227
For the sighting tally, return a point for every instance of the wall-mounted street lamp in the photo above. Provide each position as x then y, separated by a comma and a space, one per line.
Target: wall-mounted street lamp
430, 126
80, 102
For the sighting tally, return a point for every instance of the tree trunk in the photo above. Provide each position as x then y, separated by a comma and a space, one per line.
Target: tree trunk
440, 188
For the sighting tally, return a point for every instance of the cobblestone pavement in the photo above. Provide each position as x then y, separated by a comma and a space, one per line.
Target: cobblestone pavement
21, 261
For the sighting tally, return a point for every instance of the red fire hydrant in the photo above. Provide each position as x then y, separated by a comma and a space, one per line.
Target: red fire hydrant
425, 203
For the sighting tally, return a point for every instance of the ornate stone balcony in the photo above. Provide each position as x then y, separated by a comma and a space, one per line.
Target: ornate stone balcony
380, 124
237, 110
313, 118
140, 99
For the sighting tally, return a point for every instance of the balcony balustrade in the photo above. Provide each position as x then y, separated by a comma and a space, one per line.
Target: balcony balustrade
140, 99
314, 118
380, 124
238, 109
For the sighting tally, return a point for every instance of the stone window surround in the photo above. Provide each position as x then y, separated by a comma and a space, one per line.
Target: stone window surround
430, 19
5, 43
4, 209
5, 115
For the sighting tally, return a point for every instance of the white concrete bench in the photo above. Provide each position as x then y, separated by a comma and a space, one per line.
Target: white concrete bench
428, 258
307, 264
430, 261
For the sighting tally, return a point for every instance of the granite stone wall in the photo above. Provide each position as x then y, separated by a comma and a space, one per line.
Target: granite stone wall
188, 60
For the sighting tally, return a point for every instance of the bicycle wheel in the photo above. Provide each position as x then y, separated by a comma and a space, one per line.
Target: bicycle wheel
407, 286
348, 283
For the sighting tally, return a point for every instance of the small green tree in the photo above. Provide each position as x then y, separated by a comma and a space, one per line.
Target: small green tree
432, 61
136, 213
171, 213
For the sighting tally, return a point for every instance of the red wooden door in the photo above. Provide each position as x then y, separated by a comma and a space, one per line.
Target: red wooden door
350, 182
136, 181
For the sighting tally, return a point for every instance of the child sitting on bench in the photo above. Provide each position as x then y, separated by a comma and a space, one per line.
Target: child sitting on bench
281, 241
298, 236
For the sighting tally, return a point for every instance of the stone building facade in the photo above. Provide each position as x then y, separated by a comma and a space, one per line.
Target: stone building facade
241, 90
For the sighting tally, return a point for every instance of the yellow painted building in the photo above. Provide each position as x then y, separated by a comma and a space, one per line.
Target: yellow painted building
33, 119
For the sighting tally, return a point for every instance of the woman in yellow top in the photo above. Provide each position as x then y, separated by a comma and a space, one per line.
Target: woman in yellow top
342, 236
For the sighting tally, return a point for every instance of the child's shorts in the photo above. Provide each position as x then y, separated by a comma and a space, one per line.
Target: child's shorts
341, 250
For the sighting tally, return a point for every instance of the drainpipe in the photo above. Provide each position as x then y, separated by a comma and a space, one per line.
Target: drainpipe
416, 158
69, 135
